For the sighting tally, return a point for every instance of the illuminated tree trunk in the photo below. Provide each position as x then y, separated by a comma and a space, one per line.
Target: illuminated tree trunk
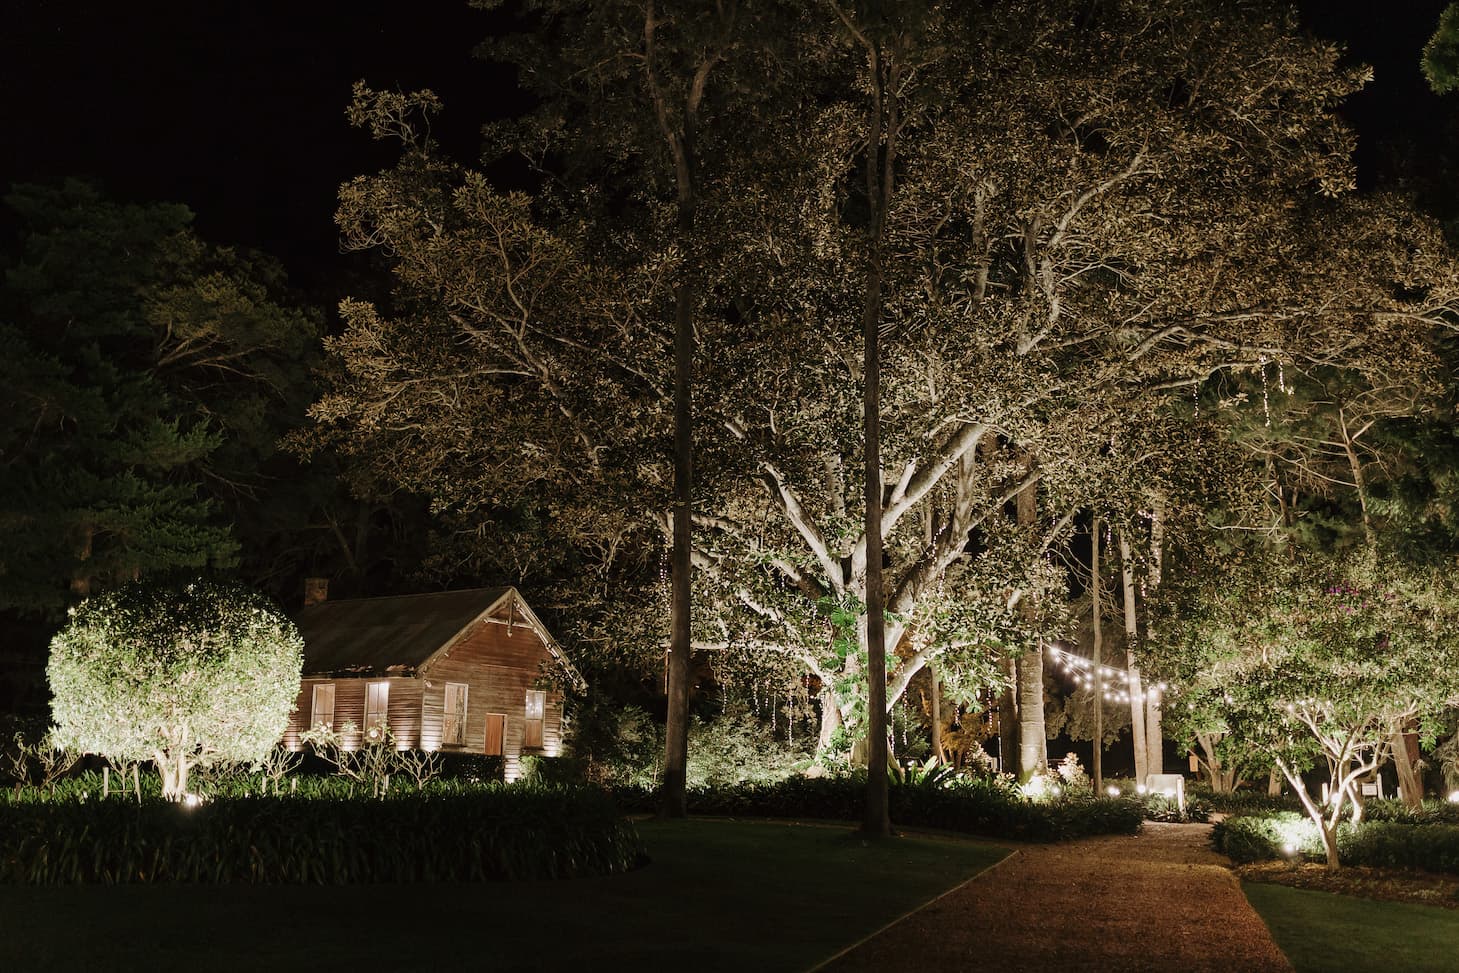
173, 768
883, 82
1008, 719
1409, 780
1098, 658
677, 127
1223, 779
1033, 746
1154, 734
1137, 694
936, 712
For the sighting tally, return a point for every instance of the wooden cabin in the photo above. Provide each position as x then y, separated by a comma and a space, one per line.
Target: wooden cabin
468, 671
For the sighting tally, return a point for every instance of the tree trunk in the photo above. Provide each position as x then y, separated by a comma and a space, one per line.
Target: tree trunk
880, 161
1222, 779
1274, 784
173, 768
1154, 734
1098, 658
936, 708
81, 577
1008, 719
1033, 746
1409, 780
1137, 693
673, 802
679, 139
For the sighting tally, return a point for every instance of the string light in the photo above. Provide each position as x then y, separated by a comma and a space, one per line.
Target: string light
1083, 671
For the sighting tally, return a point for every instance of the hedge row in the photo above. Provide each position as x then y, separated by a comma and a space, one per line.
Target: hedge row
1374, 843
969, 806
489, 833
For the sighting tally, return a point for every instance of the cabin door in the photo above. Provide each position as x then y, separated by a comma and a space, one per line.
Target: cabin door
496, 725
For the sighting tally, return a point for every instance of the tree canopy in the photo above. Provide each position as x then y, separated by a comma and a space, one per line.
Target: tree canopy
147, 378
1083, 226
185, 675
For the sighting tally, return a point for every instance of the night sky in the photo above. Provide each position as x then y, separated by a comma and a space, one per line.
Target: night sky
237, 109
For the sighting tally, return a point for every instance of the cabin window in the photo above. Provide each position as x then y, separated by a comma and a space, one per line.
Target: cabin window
496, 726
377, 701
321, 706
532, 729
453, 725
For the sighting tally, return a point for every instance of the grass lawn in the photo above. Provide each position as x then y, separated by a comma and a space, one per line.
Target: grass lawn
718, 896
1322, 931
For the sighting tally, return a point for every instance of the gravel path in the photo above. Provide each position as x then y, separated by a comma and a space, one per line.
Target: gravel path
1161, 900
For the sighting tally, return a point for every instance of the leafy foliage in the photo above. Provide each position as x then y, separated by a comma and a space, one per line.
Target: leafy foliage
974, 806
147, 378
181, 674
485, 833
1378, 844
1440, 61
1073, 232
1327, 660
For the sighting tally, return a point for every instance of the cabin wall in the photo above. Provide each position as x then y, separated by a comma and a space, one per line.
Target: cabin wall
402, 711
499, 664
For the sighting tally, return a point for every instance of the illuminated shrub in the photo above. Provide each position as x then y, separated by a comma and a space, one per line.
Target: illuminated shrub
183, 675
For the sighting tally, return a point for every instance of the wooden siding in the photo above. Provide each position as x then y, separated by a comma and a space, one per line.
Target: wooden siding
498, 668
403, 711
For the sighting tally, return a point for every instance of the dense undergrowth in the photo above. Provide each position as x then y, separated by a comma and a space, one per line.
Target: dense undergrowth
1390, 836
448, 832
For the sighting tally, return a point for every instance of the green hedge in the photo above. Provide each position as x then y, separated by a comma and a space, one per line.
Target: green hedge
969, 806
483, 833
1374, 843
1432, 812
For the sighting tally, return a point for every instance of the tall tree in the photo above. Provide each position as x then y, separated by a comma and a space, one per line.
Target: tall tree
1072, 234
149, 376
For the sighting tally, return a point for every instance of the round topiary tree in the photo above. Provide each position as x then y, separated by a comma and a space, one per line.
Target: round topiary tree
182, 675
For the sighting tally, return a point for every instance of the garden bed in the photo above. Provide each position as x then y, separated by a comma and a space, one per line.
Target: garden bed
1384, 884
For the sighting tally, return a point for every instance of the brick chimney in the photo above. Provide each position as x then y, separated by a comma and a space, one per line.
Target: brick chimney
316, 591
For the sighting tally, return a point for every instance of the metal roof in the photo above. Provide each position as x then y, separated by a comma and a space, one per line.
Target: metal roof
395, 632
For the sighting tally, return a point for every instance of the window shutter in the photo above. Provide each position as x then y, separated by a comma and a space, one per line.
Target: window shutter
453, 723
377, 704
321, 708
536, 705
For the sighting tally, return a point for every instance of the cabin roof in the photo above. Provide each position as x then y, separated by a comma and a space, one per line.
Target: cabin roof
398, 634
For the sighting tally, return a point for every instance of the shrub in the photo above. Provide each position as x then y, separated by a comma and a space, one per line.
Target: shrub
182, 675
1243, 801
971, 806
1433, 812
1383, 844
447, 834
1379, 844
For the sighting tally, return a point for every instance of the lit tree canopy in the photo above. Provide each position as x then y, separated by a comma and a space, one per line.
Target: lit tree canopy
1092, 207
1325, 660
184, 675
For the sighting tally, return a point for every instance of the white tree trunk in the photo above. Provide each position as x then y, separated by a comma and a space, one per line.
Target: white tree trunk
1154, 734
1136, 688
1033, 747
